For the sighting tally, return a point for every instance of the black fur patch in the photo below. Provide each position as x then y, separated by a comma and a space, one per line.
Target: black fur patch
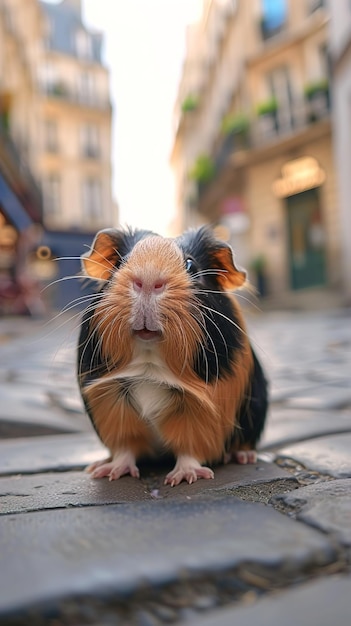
254, 408
223, 336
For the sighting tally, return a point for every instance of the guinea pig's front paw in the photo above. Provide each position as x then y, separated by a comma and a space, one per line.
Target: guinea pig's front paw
189, 469
121, 463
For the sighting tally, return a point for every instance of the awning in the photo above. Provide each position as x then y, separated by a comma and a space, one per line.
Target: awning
12, 207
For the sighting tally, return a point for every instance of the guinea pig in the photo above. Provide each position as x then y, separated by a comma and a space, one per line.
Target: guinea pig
164, 360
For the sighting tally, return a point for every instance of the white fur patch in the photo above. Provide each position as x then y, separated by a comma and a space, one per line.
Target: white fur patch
151, 398
152, 380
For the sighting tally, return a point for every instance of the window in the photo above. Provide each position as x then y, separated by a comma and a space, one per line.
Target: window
52, 195
92, 199
274, 14
51, 137
90, 145
86, 88
279, 84
84, 45
324, 60
315, 4
48, 76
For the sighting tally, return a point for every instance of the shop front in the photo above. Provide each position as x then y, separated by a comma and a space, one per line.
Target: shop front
300, 189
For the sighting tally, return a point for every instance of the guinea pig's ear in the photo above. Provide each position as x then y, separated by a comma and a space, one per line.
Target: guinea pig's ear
101, 259
230, 277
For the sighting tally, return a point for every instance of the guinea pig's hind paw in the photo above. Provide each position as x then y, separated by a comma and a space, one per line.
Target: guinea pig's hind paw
93, 466
188, 469
245, 457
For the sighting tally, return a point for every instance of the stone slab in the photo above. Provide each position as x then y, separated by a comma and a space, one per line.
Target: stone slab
320, 603
19, 494
283, 389
325, 399
73, 489
70, 403
326, 506
118, 549
327, 455
28, 408
285, 426
52, 453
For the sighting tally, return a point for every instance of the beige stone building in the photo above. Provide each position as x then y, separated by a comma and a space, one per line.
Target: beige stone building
74, 139
55, 102
253, 146
21, 207
340, 49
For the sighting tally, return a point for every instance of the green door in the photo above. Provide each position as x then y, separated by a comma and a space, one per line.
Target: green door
306, 240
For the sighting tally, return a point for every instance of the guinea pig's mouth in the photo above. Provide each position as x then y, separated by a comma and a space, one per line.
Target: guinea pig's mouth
147, 335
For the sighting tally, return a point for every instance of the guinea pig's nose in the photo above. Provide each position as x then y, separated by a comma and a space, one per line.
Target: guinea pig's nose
146, 286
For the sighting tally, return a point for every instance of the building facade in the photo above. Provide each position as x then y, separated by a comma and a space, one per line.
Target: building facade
21, 206
60, 116
340, 51
255, 153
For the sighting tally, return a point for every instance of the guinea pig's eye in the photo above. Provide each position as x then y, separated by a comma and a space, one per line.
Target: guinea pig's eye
190, 266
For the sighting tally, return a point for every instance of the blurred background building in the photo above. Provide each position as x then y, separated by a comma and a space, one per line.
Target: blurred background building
56, 115
256, 147
261, 144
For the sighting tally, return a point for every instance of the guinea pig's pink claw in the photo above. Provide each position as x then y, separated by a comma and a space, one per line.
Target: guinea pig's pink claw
189, 469
121, 464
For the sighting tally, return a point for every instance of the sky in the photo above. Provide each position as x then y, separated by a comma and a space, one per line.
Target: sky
144, 50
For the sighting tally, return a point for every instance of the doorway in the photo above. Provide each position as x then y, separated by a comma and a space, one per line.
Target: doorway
306, 237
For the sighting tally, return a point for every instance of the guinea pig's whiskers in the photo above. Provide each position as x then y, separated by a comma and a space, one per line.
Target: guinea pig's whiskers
224, 317
209, 339
184, 343
203, 348
209, 272
210, 319
200, 319
65, 321
103, 256
106, 259
101, 336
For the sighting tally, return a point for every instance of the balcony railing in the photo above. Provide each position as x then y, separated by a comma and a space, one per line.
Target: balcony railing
19, 176
91, 152
269, 129
63, 91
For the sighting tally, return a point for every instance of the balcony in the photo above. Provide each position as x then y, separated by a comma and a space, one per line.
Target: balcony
266, 135
64, 92
91, 152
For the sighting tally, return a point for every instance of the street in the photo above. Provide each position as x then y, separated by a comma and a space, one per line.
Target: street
263, 543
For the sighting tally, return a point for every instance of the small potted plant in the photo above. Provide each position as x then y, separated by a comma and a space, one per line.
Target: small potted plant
235, 129
317, 96
316, 88
203, 171
267, 111
59, 89
190, 103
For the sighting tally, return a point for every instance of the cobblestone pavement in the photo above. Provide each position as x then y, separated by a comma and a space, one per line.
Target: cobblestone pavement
261, 544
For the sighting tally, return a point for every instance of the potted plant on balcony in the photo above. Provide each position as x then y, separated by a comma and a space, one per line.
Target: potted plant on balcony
59, 89
316, 88
235, 129
267, 111
317, 96
203, 171
190, 103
